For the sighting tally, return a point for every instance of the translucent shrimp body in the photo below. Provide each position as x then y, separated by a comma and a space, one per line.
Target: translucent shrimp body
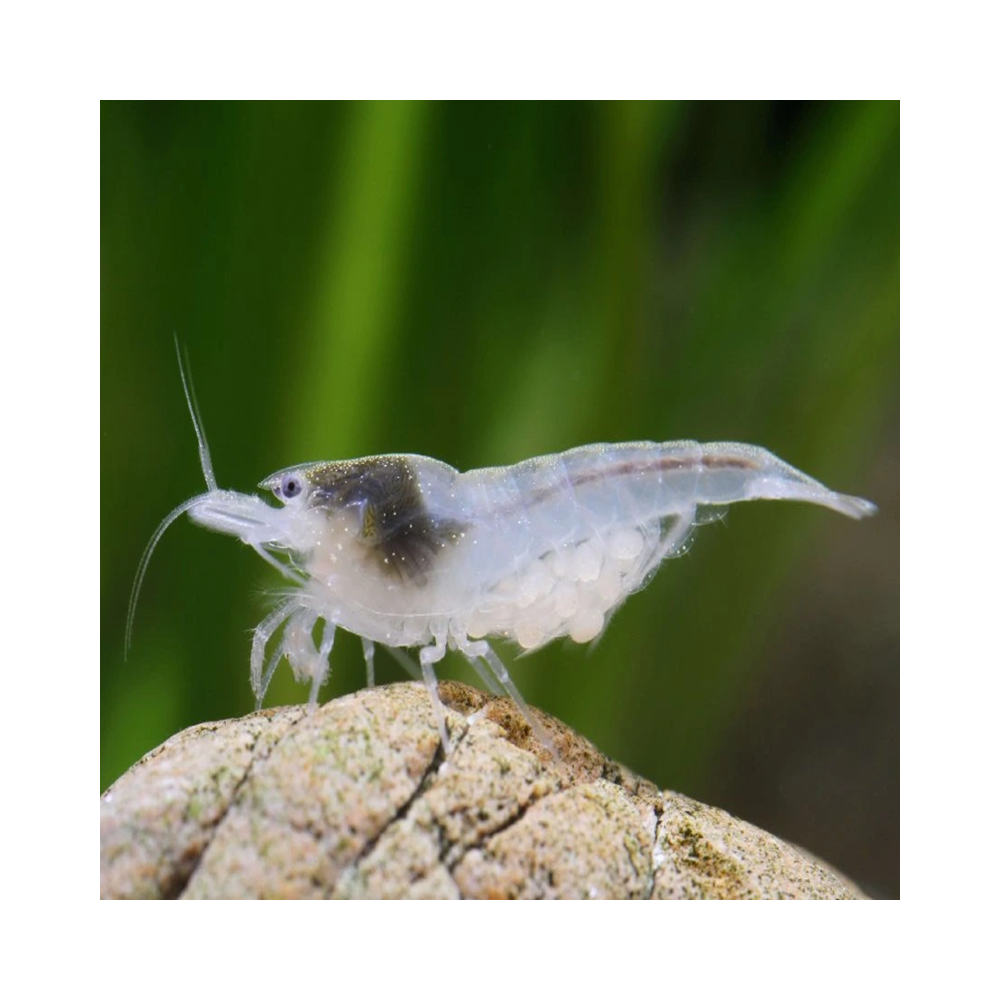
406, 551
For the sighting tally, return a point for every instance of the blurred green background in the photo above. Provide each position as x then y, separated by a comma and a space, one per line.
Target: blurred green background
487, 282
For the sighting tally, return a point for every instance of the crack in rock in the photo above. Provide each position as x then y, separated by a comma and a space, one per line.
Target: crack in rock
159, 817
426, 780
213, 828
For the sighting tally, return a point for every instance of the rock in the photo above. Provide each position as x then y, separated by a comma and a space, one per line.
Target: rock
355, 799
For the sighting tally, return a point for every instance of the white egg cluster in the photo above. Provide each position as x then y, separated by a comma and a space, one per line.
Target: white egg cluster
568, 591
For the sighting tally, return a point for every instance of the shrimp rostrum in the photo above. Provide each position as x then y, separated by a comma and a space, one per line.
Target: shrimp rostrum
406, 551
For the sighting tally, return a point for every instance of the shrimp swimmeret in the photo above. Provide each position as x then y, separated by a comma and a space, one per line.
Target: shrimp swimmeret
406, 551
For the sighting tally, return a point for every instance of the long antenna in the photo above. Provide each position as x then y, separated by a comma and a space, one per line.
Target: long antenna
140, 573
206, 467
188, 382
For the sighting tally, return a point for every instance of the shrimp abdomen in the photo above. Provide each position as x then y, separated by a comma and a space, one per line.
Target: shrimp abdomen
646, 481
568, 537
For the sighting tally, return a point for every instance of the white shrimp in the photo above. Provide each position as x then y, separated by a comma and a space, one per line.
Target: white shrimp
406, 551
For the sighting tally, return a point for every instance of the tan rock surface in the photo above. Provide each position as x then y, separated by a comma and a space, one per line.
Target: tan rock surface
355, 799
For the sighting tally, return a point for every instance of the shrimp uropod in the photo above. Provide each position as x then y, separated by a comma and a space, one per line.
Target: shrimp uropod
405, 551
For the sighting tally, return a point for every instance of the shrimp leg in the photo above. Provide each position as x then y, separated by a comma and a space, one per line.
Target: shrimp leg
261, 637
368, 647
308, 662
481, 650
490, 682
323, 661
430, 655
272, 665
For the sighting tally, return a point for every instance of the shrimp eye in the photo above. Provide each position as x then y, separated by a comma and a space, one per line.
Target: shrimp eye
291, 486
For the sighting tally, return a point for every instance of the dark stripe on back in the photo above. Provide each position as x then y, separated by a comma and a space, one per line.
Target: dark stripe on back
658, 465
